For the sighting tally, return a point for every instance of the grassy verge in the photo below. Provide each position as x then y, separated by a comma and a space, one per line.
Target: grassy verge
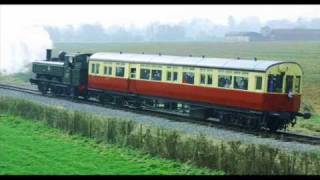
231, 157
34, 148
309, 126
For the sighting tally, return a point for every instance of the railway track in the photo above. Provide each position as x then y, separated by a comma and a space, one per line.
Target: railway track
280, 135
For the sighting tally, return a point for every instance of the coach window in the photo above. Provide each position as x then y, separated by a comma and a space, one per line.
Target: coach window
240, 83
109, 70
188, 77
93, 68
258, 82
145, 74
133, 72
224, 81
202, 78
209, 79
175, 76
120, 71
156, 75
105, 70
97, 68
275, 83
168, 76
297, 84
289, 84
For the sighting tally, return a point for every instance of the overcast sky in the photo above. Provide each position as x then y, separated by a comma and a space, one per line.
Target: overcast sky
140, 15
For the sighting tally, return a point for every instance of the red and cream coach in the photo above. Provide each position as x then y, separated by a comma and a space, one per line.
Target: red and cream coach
251, 93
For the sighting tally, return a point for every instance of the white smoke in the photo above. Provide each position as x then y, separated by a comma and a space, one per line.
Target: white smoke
21, 45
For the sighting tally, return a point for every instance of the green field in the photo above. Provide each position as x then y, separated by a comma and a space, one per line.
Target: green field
32, 148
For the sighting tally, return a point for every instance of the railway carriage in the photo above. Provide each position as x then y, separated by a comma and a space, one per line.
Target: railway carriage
244, 92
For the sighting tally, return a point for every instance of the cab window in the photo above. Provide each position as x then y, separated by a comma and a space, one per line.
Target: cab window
275, 83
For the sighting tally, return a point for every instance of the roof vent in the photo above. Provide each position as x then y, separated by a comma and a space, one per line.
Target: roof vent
255, 59
142, 52
160, 54
203, 56
238, 58
120, 52
190, 55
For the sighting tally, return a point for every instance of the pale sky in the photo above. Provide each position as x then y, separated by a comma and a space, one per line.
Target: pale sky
140, 15
23, 41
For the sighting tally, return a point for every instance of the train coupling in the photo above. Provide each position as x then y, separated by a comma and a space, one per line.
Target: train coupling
305, 115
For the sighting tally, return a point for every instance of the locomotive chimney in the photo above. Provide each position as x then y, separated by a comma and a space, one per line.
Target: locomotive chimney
49, 52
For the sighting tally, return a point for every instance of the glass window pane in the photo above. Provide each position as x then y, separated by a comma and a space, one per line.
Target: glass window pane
105, 70
168, 76
93, 68
133, 72
297, 84
145, 74
97, 68
209, 79
120, 71
202, 79
175, 76
289, 84
224, 81
110, 70
275, 83
240, 83
156, 75
258, 82
188, 77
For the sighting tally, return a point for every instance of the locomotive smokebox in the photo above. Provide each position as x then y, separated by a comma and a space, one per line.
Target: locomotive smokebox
49, 52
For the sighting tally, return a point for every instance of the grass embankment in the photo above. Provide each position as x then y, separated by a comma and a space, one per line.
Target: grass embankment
34, 148
309, 126
200, 151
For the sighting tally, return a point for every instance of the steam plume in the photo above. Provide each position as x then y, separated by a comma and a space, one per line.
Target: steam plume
20, 45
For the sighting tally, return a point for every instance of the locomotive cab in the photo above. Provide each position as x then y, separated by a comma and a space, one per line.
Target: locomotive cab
63, 75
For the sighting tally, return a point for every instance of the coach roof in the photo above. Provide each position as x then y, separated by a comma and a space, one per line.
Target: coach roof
222, 63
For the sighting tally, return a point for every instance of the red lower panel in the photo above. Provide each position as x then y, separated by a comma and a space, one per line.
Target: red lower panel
233, 98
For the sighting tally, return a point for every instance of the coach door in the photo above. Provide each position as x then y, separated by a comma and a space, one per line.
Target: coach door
132, 78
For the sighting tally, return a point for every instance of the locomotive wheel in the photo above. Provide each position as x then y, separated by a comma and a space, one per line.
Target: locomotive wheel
43, 88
